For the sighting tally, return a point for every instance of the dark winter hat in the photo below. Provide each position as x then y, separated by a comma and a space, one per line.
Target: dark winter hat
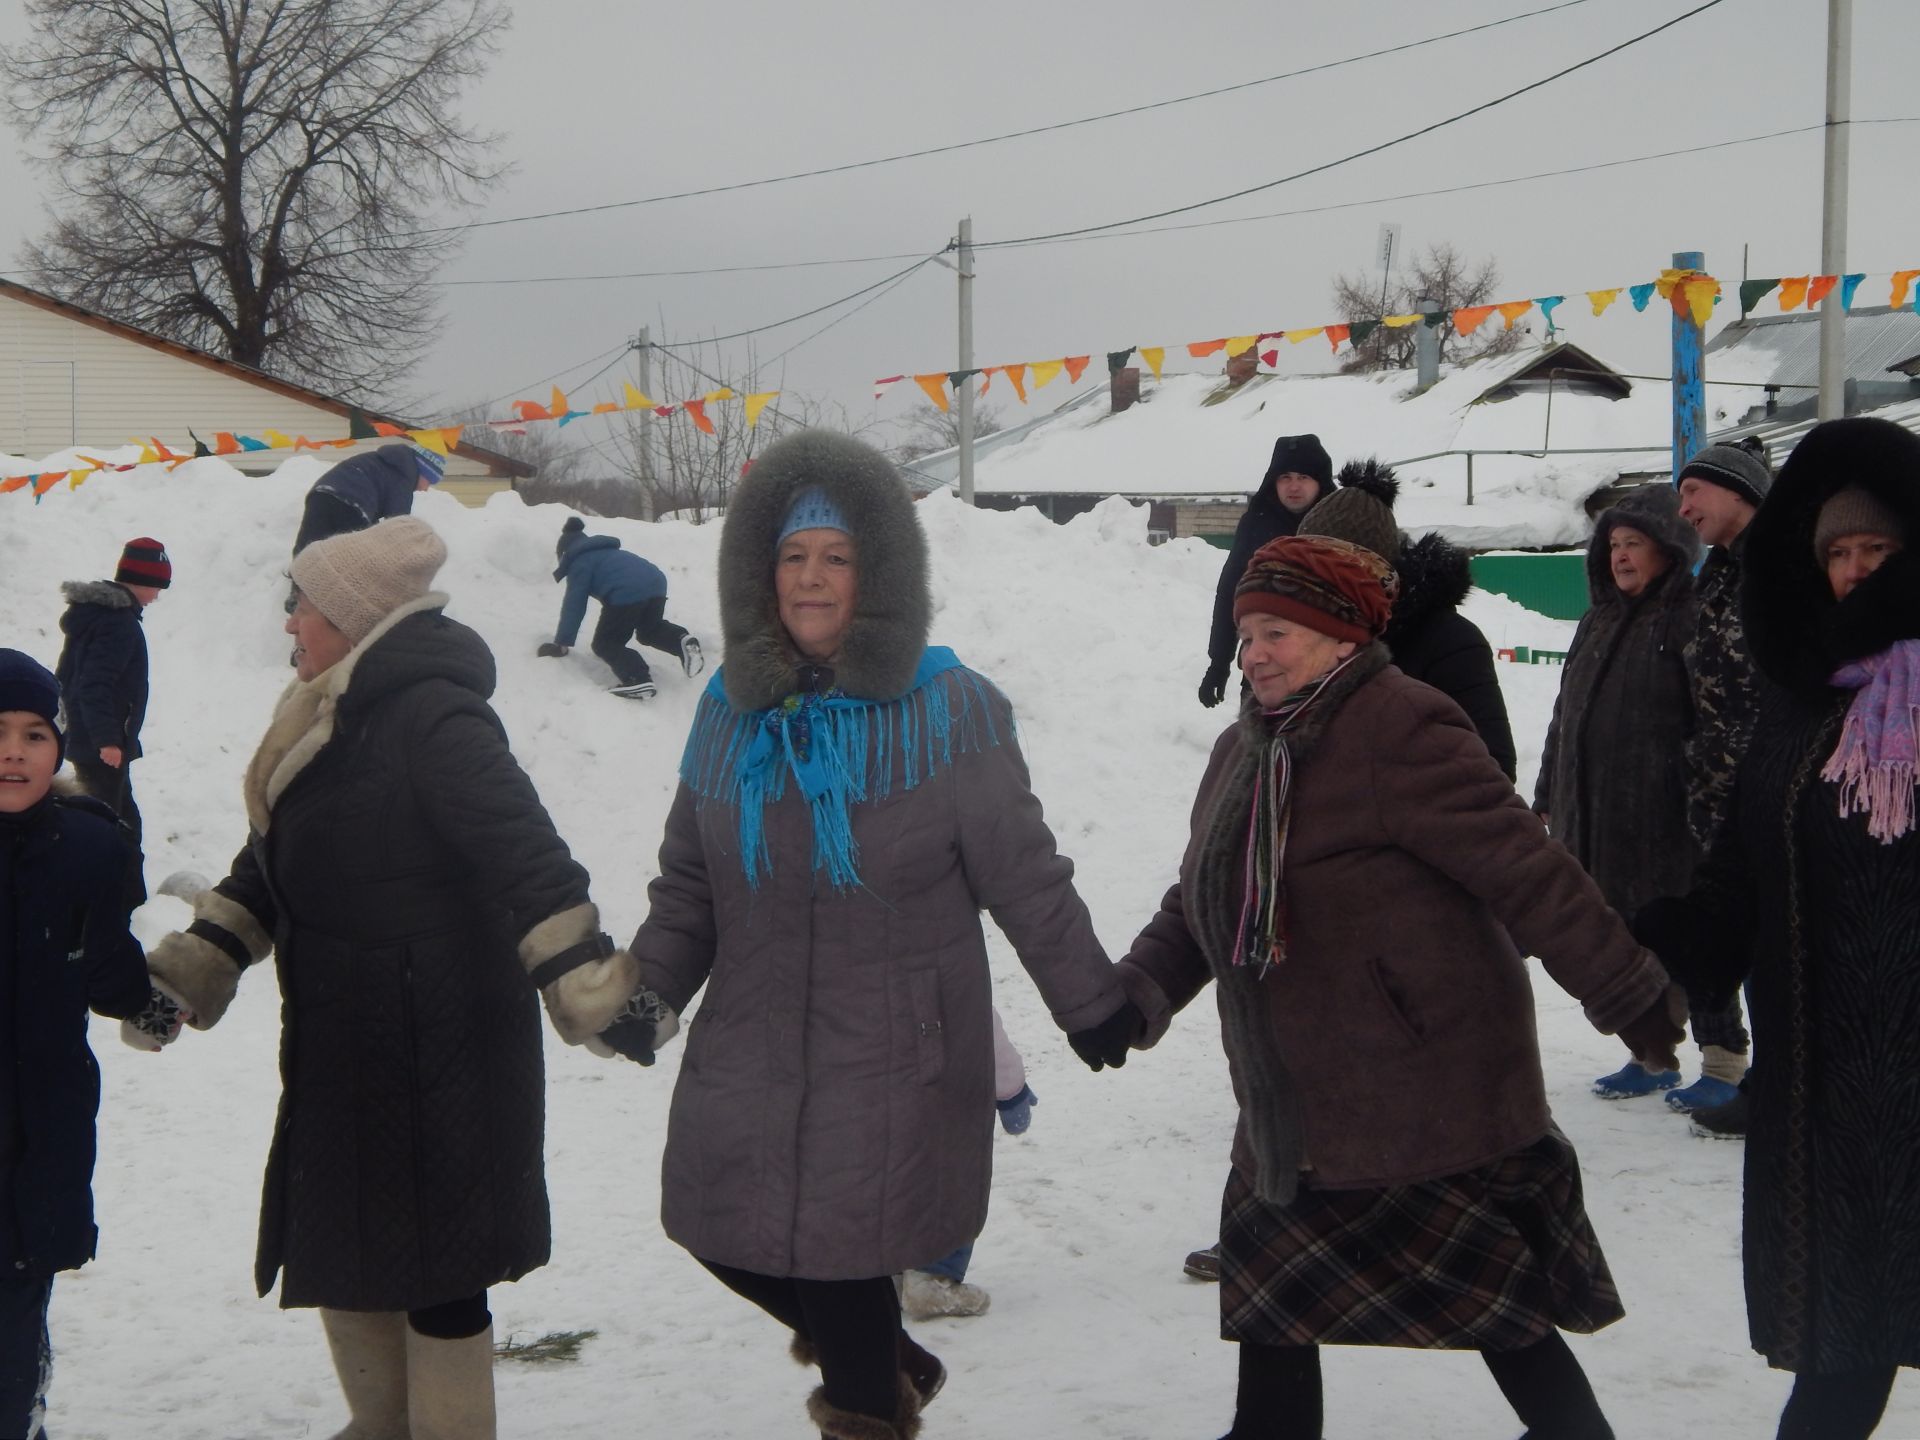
1300, 455
432, 463
26, 684
569, 532
1741, 468
1854, 511
1360, 511
144, 562
1333, 586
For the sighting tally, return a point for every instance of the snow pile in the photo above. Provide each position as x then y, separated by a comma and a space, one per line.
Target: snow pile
1099, 639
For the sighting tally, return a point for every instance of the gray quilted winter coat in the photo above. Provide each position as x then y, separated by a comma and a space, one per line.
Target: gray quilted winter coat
833, 1117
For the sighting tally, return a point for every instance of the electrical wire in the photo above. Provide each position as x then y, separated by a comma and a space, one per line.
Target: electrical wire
1008, 135
673, 274
518, 390
1358, 154
878, 295
805, 314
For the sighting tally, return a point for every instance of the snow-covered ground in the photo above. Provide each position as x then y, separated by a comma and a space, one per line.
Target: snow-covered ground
1094, 1331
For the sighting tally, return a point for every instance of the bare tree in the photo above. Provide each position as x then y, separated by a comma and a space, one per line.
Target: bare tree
1442, 275
928, 431
253, 177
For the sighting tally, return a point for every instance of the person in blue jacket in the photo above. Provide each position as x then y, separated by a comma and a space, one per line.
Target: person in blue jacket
64, 949
365, 490
633, 603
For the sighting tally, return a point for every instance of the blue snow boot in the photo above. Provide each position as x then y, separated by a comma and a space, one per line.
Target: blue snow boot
1702, 1094
1633, 1080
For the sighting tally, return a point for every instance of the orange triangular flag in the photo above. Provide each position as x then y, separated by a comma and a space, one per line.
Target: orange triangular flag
44, 483
1153, 355
698, 410
1076, 365
383, 427
557, 406
1818, 287
1043, 371
637, 401
301, 442
17, 482
757, 403
986, 381
1017, 374
1602, 299
1467, 318
606, 407
1335, 334
1201, 349
1793, 290
529, 410
1513, 310
1901, 280
936, 387
225, 444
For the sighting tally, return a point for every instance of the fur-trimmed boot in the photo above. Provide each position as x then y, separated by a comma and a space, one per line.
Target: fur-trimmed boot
450, 1387
370, 1355
919, 1366
838, 1424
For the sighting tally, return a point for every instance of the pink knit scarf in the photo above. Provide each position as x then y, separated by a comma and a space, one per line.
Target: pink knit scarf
1874, 765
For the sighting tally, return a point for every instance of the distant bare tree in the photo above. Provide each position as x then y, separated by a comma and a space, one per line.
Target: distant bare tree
255, 177
560, 465
1443, 276
928, 431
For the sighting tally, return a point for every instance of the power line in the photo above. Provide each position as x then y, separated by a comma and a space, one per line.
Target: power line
997, 139
673, 274
878, 295
1358, 154
616, 352
805, 314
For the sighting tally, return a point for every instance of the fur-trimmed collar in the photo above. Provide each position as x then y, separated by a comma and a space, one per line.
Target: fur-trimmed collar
303, 720
104, 593
892, 606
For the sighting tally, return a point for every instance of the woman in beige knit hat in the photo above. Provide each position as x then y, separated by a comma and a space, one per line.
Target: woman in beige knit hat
414, 893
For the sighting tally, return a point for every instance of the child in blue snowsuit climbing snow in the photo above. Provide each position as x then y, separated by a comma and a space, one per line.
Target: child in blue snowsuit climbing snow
633, 602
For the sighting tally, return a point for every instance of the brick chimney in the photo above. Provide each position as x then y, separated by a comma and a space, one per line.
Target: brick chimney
1123, 388
1242, 367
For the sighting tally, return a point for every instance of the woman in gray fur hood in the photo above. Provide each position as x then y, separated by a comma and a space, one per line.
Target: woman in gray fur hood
851, 798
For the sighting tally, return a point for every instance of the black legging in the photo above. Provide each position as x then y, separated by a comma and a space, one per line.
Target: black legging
1846, 1406
645, 621
1280, 1398
853, 1326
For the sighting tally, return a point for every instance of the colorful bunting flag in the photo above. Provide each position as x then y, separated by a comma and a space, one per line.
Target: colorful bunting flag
936, 388
1752, 292
880, 387
1901, 280
1270, 358
1017, 377
1153, 355
1117, 360
1700, 293
1045, 370
1335, 334
1468, 318
1513, 310
1076, 367
1294, 337
1819, 288
697, 410
1358, 330
757, 403
1547, 303
1398, 322
1640, 294
1849, 284
1602, 299
1793, 290
1201, 349
1240, 344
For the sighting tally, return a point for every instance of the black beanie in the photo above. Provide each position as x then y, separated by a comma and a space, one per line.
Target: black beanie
1302, 455
1741, 468
569, 532
27, 685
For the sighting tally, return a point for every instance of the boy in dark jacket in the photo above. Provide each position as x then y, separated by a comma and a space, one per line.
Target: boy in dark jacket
633, 602
64, 948
103, 675
367, 489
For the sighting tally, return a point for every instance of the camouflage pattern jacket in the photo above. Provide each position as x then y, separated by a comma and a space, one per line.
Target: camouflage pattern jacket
1725, 693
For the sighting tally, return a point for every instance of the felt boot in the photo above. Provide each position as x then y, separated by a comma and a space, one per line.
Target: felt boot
370, 1356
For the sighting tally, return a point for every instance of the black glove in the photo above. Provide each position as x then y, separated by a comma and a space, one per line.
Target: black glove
1213, 689
551, 651
1106, 1043
635, 1031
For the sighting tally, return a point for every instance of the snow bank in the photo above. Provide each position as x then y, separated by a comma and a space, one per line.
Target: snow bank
1099, 639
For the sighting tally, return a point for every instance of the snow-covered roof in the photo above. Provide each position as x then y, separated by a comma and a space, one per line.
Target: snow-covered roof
1785, 349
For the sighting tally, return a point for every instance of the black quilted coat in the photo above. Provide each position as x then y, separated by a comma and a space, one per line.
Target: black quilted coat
1823, 922
1432, 642
399, 870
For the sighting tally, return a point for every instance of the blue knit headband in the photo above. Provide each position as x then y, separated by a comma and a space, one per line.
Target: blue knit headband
812, 510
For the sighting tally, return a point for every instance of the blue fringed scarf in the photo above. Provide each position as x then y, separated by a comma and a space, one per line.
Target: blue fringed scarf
838, 749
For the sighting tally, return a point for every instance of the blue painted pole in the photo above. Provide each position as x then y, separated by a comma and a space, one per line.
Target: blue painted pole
1689, 372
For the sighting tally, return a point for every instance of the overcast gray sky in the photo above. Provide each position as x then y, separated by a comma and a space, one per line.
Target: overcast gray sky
602, 101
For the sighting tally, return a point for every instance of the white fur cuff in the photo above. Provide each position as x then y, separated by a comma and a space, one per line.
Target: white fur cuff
196, 974
584, 1001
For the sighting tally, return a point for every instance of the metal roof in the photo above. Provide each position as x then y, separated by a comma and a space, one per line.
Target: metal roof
1785, 349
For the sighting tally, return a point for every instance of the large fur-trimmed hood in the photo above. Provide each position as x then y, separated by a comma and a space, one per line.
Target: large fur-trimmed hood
892, 606
1653, 510
1435, 575
98, 592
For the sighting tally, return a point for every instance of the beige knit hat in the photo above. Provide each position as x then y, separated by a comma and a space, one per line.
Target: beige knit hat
358, 579
1854, 511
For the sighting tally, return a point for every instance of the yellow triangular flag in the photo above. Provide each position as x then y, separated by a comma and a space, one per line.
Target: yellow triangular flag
637, 401
935, 384
1045, 370
1153, 355
558, 406
77, 478
721, 394
1700, 293
1240, 344
433, 440
275, 440
1398, 322
757, 403
1602, 299
1294, 337
148, 456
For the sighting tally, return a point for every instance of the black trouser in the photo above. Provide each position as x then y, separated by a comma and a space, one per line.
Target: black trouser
26, 1357
645, 621
853, 1326
1836, 1407
324, 517
1279, 1396
114, 785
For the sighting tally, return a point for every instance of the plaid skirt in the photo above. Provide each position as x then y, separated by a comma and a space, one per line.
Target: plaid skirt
1492, 1259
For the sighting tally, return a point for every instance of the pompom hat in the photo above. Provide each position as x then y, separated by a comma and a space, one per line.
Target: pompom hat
358, 579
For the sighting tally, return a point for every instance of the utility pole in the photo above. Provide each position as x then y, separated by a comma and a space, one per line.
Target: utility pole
963, 392
1689, 370
1833, 209
643, 343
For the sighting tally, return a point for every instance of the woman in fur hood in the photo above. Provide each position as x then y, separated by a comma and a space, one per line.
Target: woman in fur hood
1358, 876
408, 881
851, 798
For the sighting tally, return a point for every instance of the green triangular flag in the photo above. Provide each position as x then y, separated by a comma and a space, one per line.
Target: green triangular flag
358, 426
1752, 292
1358, 330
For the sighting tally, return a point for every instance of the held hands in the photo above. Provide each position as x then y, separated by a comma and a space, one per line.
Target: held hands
1016, 1111
551, 651
1107, 1043
112, 756
1213, 686
157, 1026
645, 1024
1654, 1035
